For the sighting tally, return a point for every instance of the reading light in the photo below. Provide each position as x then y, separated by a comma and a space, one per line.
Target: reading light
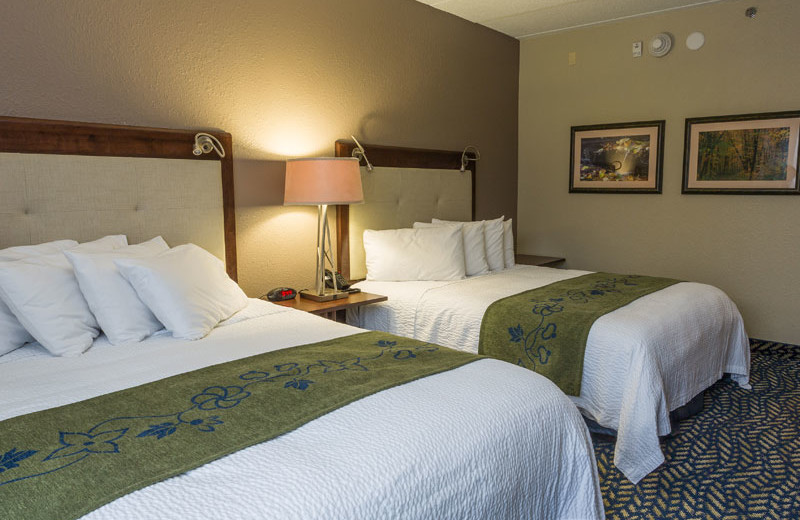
322, 181
465, 158
204, 143
359, 153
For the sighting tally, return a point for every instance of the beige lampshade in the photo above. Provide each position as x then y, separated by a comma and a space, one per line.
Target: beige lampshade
323, 180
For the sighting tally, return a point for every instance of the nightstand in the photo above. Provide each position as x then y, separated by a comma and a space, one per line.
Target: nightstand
335, 309
543, 261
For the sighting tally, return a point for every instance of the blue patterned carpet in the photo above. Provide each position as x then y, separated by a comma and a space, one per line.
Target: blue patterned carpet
738, 458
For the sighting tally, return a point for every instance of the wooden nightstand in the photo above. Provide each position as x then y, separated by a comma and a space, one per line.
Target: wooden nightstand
335, 309
543, 261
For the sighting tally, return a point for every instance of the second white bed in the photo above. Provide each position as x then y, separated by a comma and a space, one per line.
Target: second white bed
641, 361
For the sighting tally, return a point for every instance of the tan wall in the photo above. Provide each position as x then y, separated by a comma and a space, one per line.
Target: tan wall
747, 245
285, 78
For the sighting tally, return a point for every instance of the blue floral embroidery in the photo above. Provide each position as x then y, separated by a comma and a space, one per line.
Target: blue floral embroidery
516, 333
75, 443
159, 431
255, 375
335, 366
206, 425
534, 341
547, 308
77, 446
300, 384
12, 458
220, 397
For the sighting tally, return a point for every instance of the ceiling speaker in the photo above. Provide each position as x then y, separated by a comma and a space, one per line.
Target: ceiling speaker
660, 45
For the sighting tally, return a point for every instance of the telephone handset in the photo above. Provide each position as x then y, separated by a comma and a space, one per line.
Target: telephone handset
280, 294
340, 281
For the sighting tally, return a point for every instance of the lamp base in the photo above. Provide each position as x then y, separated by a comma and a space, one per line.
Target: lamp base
326, 297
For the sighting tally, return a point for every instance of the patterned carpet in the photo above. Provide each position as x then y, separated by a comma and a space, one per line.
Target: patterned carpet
738, 458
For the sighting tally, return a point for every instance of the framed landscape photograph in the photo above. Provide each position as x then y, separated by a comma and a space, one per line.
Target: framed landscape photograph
742, 154
617, 158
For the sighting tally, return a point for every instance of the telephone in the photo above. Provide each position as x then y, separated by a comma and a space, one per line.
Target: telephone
280, 294
340, 281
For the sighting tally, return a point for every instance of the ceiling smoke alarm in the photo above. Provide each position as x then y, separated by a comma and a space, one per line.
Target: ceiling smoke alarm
660, 45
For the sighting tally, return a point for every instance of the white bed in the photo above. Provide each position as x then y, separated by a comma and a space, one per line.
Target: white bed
641, 361
486, 440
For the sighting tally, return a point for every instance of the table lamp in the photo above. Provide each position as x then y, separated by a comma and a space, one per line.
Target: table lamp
321, 181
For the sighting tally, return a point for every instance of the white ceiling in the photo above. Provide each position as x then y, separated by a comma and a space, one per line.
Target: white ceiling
524, 18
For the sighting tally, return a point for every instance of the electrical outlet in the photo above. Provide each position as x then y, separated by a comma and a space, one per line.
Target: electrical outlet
637, 49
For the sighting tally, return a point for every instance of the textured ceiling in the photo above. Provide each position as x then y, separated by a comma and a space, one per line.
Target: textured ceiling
524, 18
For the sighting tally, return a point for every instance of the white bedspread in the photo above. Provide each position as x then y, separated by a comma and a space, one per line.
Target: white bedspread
641, 361
486, 440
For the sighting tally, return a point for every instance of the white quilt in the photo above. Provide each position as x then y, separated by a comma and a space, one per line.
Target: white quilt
641, 361
486, 440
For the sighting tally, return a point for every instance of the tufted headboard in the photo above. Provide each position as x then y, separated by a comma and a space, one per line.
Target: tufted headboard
62, 179
406, 185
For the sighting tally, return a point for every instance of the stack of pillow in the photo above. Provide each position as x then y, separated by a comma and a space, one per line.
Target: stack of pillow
63, 294
439, 250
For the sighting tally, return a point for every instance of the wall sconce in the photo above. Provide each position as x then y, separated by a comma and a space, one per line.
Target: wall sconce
204, 143
359, 153
465, 158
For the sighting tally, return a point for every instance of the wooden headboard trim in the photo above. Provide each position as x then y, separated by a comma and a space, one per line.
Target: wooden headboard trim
24, 135
392, 157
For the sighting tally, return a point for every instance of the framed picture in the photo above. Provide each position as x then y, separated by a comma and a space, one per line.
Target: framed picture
742, 154
617, 158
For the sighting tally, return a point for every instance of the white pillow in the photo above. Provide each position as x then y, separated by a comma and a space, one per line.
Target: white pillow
20, 252
508, 244
12, 334
435, 253
120, 313
493, 234
474, 245
186, 288
43, 294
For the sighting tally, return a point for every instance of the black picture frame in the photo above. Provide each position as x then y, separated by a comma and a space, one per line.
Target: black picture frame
719, 152
617, 157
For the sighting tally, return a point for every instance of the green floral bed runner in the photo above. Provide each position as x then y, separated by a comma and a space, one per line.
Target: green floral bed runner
545, 329
64, 462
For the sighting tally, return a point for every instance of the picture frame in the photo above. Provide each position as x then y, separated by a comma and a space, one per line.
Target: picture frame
617, 157
745, 154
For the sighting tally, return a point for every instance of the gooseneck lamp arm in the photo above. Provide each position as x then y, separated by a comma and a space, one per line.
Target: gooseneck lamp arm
205, 143
360, 153
465, 157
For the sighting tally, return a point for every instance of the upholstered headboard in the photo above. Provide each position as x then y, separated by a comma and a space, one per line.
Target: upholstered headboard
406, 185
74, 180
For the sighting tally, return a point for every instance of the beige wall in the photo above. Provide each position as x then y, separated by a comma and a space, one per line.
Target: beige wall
285, 78
747, 245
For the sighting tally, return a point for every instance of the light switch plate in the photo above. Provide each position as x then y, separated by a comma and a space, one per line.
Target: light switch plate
637, 49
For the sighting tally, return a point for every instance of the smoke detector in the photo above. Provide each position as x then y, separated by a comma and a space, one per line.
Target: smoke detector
660, 45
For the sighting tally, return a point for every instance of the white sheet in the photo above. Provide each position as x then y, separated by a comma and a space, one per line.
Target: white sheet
486, 440
641, 361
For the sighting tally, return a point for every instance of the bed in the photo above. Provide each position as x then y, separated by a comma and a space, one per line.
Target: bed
483, 439
641, 362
